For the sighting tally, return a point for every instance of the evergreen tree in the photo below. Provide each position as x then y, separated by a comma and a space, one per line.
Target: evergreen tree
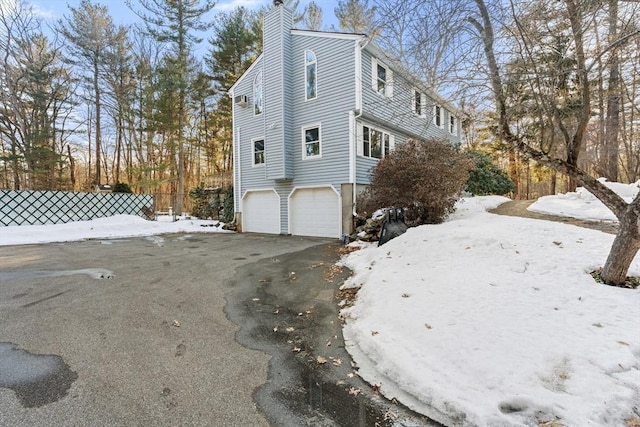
313, 16
355, 16
234, 46
174, 22
90, 31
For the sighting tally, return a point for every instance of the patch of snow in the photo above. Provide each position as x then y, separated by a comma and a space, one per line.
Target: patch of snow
582, 204
114, 227
491, 320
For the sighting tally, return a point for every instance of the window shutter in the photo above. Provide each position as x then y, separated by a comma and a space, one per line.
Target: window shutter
374, 74
359, 146
389, 90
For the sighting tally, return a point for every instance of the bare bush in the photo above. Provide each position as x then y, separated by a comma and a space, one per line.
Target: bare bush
424, 177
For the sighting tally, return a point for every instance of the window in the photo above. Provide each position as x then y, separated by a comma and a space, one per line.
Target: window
311, 142
418, 103
453, 125
258, 105
381, 78
375, 143
438, 116
258, 152
311, 74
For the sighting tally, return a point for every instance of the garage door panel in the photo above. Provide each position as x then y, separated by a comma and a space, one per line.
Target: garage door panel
261, 212
315, 212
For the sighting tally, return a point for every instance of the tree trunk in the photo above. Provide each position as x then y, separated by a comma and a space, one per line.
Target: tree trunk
612, 128
72, 168
96, 87
625, 246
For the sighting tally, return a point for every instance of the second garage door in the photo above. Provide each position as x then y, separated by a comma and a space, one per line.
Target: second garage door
315, 212
261, 212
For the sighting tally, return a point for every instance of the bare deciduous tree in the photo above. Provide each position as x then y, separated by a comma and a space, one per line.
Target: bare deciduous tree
575, 14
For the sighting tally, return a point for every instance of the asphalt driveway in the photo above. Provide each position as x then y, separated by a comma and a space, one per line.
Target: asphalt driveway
135, 330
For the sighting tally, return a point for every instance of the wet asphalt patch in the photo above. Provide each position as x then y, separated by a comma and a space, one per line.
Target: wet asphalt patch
286, 306
36, 379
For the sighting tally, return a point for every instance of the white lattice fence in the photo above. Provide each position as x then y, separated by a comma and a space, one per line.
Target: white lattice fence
55, 207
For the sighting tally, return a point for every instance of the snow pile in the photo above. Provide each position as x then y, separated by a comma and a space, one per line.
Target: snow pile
584, 205
117, 226
490, 320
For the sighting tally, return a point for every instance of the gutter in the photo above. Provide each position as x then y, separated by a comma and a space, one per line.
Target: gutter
354, 115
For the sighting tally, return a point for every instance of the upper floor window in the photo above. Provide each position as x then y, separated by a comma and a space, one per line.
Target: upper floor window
311, 74
375, 143
453, 125
311, 142
381, 78
418, 102
258, 152
438, 116
258, 105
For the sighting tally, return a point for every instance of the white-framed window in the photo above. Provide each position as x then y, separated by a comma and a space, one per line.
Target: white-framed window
311, 141
418, 103
311, 75
453, 124
257, 149
381, 78
374, 143
438, 116
258, 104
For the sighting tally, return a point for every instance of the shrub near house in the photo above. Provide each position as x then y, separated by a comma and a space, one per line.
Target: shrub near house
424, 177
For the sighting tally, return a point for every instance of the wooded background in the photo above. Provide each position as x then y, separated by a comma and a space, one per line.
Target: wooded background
91, 102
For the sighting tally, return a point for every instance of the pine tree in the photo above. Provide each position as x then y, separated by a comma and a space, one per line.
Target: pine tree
174, 22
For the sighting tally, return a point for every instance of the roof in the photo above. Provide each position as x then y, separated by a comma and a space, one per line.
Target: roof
377, 51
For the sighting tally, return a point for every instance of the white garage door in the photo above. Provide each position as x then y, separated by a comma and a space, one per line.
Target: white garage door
261, 212
315, 212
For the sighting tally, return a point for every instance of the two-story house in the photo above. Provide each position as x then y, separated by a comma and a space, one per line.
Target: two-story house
312, 116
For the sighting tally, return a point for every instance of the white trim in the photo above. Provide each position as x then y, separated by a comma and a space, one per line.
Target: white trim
306, 64
423, 102
353, 141
307, 187
437, 108
388, 80
253, 152
237, 168
246, 73
360, 138
253, 95
328, 35
453, 132
358, 75
257, 190
304, 141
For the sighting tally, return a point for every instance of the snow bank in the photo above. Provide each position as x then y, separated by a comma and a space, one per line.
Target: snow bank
490, 320
582, 204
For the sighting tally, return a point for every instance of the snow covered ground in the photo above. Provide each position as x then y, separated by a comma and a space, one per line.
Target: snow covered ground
484, 320
490, 320
113, 227
582, 204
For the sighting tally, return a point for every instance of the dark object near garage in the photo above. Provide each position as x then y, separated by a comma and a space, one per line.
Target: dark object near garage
393, 225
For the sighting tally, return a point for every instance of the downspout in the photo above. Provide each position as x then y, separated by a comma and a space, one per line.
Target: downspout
354, 115
237, 168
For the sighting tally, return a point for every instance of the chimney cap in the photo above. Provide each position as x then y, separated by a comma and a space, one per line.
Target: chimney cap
278, 3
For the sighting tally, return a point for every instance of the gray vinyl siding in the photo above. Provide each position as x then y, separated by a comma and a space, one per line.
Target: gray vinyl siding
398, 109
330, 109
277, 92
248, 127
364, 165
